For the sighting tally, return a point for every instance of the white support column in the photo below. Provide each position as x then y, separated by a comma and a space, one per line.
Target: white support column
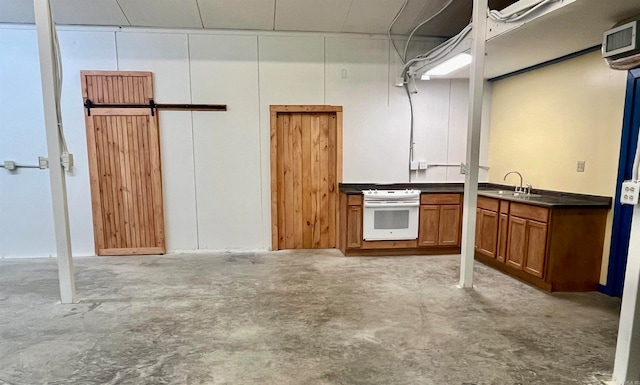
476, 85
626, 369
58, 184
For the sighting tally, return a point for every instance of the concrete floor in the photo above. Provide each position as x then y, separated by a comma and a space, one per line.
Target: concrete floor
312, 318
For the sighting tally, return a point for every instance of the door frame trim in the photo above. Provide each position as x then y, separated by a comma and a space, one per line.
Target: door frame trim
622, 215
286, 108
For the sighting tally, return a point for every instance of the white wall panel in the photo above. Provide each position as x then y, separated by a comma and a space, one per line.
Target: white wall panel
483, 176
87, 50
26, 217
357, 71
431, 137
291, 71
376, 145
224, 69
458, 122
166, 55
216, 165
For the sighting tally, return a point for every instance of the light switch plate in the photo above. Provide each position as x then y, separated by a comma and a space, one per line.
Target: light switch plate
415, 165
580, 167
629, 192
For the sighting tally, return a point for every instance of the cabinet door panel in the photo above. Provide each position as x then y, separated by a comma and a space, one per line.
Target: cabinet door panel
503, 227
354, 226
449, 230
517, 244
488, 233
429, 225
536, 247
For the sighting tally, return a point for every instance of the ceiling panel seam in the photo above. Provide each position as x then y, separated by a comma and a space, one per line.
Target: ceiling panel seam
275, 12
199, 13
418, 17
123, 14
346, 16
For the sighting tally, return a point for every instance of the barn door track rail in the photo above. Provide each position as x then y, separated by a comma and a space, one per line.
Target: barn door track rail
89, 104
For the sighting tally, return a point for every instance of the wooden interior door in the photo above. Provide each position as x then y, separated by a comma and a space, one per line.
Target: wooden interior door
306, 167
124, 164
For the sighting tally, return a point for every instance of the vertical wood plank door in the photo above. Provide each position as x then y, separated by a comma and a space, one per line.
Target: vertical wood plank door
123, 145
306, 167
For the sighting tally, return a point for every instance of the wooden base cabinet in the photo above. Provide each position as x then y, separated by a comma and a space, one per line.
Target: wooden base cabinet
503, 231
438, 232
487, 219
429, 225
439, 225
440, 220
449, 227
555, 249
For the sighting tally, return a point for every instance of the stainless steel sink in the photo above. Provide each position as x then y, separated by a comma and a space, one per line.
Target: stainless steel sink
511, 194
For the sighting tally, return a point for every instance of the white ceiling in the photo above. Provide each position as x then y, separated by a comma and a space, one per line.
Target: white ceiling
358, 16
574, 27
570, 29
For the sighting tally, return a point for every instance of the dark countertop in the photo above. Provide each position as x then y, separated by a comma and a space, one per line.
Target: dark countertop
357, 188
547, 198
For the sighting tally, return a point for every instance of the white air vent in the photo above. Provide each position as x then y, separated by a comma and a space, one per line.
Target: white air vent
621, 41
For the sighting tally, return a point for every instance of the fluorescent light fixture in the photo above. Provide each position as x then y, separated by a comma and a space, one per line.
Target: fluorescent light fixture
456, 62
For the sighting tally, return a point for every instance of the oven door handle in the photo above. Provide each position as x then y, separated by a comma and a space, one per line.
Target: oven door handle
385, 205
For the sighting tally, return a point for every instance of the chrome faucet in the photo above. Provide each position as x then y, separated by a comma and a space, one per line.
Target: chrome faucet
518, 189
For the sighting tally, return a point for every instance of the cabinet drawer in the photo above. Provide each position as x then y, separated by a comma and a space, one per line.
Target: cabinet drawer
535, 213
504, 207
440, 199
488, 204
354, 200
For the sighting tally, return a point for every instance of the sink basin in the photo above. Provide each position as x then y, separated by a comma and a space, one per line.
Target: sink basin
511, 194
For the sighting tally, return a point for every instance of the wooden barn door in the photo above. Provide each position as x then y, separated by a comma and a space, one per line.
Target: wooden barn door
124, 164
306, 166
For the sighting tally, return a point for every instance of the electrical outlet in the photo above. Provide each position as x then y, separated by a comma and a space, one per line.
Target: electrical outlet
422, 165
629, 192
66, 160
43, 163
9, 165
580, 166
463, 168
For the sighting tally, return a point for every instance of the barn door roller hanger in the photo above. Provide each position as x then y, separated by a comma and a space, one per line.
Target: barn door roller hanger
89, 104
